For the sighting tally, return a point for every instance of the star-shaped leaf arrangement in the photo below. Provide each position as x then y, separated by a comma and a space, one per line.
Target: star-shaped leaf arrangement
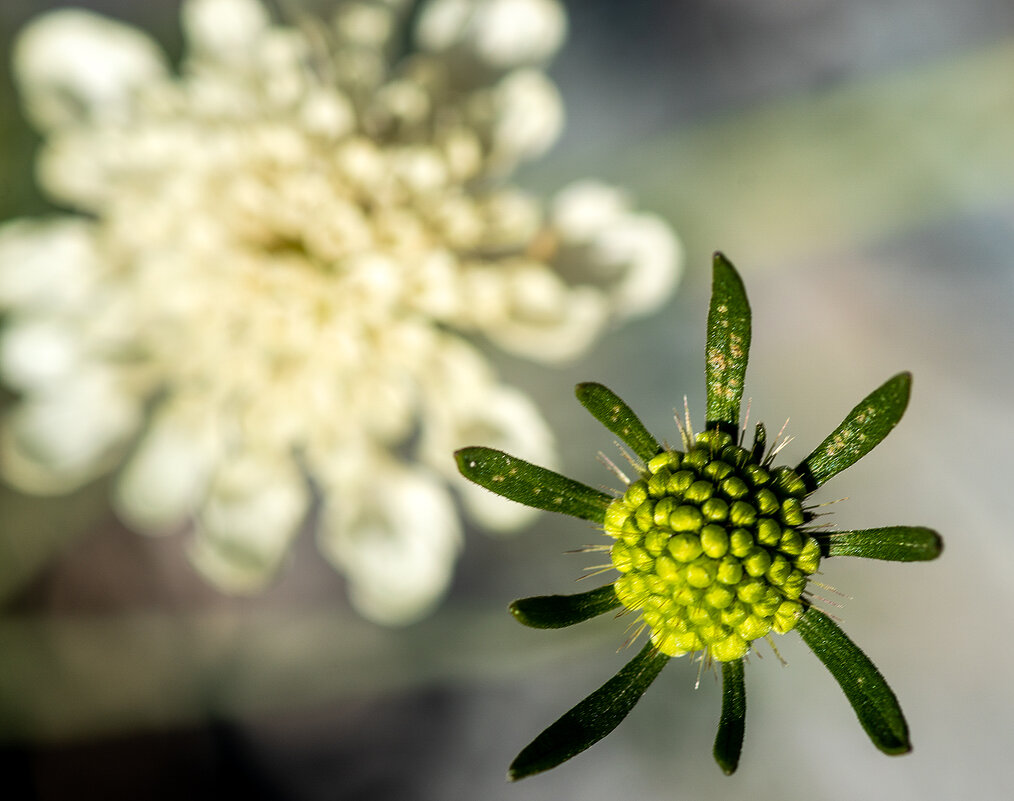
713, 545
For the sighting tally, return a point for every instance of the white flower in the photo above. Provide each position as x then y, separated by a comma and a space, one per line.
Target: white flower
282, 252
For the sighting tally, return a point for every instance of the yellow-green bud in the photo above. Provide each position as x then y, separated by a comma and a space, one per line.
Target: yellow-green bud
710, 549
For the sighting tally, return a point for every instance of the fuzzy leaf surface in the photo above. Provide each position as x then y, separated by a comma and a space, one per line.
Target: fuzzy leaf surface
610, 410
866, 689
860, 432
559, 611
530, 484
732, 725
728, 345
593, 718
891, 543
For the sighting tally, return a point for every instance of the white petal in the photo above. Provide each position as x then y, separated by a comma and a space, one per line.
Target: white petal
327, 113
37, 352
502, 34
254, 509
220, 27
46, 264
53, 443
74, 65
511, 33
441, 23
647, 251
457, 374
544, 318
636, 258
166, 479
529, 114
580, 210
396, 540
364, 25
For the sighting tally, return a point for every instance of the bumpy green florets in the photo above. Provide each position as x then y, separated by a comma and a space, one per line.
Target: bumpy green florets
710, 548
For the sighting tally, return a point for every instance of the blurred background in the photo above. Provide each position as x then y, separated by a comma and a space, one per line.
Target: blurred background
854, 161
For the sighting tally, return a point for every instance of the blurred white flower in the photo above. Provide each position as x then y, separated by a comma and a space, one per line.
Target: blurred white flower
280, 253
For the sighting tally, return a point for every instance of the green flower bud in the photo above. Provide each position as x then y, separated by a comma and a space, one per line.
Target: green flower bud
792, 512
699, 491
715, 509
686, 518
717, 470
685, 547
714, 541
765, 501
740, 542
656, 540
621, 558
742, 514
616, 516
730, 570
719, 596
769, 532
757, 562
809, 557
709, 550
712, 546
735, 613
791, 542
786, 616
701, 573
631, 589
734, 488
658, 484
680, 483
780, 570
732, 647
756, 475
789, 482
637, 493
753, 627
667, 568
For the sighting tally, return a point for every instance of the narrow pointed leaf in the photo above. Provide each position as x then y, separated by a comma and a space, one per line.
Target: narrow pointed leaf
729, 741
530, 484
592, 719
760, 439
892, 543
559, 611
728, 346
864, 686
861, 431
607, 407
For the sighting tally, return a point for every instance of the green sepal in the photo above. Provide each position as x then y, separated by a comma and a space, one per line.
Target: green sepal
892, 543
732, 725
607, 407
860, 432
728, 346
592, 719
760, 439
864, 686
530, 484
560, 611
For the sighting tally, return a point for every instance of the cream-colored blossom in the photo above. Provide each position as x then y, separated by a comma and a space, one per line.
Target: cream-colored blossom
283, 252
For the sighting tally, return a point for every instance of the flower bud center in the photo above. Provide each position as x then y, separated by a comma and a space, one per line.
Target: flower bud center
710, 550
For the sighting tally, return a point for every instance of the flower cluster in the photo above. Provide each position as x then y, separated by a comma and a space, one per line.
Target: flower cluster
710, 548
282, 251
714, 546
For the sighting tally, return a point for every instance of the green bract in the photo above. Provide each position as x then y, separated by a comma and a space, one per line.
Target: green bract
713, 546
